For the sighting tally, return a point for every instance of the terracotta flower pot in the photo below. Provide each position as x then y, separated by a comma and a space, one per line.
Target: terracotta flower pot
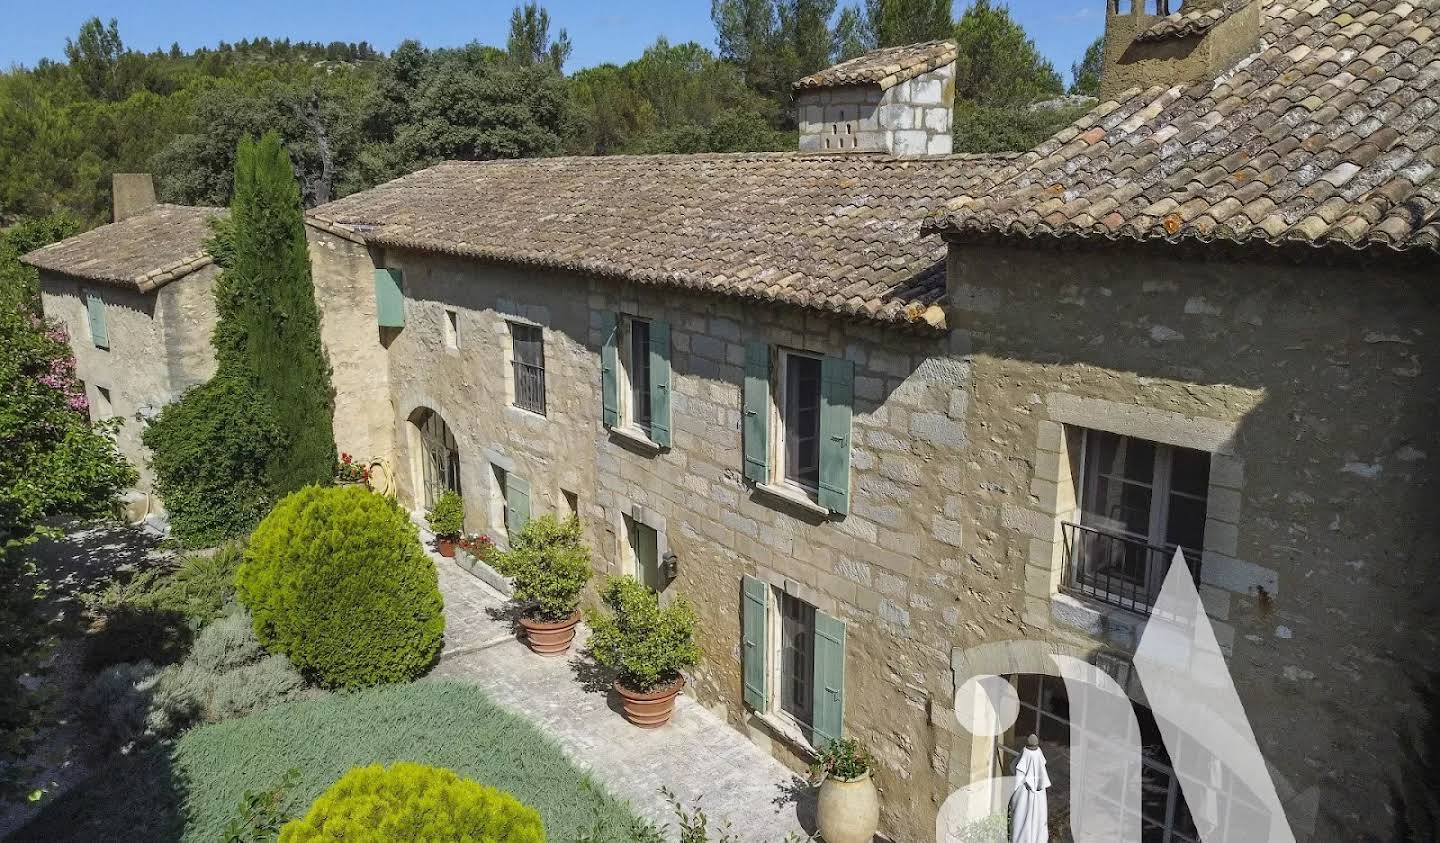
446, 546
547, 638
652, 709
848, 810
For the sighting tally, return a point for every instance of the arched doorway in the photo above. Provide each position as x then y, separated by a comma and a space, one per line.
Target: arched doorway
1172, 808
435, 456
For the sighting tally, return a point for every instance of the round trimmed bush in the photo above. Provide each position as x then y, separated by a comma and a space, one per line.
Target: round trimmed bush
336, 579
414, 802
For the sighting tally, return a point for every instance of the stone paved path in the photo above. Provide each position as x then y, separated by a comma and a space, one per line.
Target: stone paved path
699, 757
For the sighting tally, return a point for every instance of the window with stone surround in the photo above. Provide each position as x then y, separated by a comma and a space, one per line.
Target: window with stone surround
793, 664
642, 554
1137, 502
799, 421
528, 362
635, 379
452, 328
104, 408
796, 424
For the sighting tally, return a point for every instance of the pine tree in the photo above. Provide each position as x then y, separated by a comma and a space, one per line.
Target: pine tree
898, 22
1086, 72
269, 327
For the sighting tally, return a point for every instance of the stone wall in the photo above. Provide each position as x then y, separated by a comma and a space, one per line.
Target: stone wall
1315, 390
1312, 388
343, 274
159, 347
912, 118
889, 570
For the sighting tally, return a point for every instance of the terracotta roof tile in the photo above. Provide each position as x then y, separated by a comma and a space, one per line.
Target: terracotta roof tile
887, 67
1327, 136
143, 253
839, 233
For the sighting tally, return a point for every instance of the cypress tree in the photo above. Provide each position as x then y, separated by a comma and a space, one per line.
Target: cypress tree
269, 327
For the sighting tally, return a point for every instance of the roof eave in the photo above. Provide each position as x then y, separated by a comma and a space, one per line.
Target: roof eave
927, 318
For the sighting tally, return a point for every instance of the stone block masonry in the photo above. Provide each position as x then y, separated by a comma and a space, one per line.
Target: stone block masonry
912, 118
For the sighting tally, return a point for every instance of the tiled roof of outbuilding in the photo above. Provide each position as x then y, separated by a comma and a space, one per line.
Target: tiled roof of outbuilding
144, 252
839, 233
887, 67
1329, 136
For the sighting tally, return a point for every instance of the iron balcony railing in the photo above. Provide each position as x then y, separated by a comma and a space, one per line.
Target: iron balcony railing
1117, 570
530, 387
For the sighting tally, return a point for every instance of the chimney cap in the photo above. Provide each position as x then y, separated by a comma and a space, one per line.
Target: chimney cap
1196, 18
886, 67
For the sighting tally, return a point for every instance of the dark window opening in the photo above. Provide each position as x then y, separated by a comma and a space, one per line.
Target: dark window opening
797, 658
802, 421
529, 362
640, 408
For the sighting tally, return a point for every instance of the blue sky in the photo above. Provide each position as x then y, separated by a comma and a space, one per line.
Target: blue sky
602, 30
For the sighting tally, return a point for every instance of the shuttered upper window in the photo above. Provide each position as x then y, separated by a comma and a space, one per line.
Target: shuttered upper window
99, 330
797, 414
800, 419
635, 377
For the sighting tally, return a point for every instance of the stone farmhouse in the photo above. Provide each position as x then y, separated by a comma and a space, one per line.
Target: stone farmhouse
140, 340
873, 407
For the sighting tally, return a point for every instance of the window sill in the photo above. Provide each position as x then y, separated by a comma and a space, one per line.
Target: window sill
633, 435
788, 730
793, 496
528, 414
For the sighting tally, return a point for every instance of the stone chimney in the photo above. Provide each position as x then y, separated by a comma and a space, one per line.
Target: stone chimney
131, 194
899, 100
1146, 44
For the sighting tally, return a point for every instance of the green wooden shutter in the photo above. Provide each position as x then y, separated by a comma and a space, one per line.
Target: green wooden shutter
660, 383
757, 412
517, 505
837, 397
754, 618
95, 309
829, 680
390, 298
609, 371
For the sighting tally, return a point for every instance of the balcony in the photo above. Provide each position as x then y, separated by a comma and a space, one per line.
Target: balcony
1118, 570
530, 387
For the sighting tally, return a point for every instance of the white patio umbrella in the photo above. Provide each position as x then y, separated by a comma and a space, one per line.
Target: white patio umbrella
1029, 815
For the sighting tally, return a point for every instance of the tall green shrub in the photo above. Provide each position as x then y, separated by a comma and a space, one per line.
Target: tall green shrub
413, 802
268, 331
211, 452
336, 579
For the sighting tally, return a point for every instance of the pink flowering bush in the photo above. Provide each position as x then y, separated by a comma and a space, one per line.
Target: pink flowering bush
55, 462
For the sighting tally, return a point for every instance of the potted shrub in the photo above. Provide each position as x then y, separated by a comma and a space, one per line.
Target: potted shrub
848, 810
647, 646
351, 473
549, 566
447, 522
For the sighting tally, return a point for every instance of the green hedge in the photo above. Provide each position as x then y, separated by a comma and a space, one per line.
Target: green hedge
413, 802
211, 451
337, 580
